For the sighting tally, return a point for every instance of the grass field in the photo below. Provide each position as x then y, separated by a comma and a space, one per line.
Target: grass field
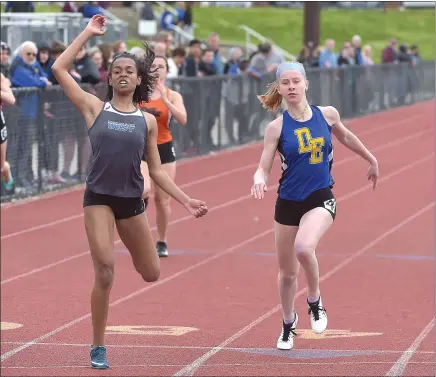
285, 26
47, 8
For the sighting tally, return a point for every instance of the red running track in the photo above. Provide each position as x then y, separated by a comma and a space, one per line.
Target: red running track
214, 310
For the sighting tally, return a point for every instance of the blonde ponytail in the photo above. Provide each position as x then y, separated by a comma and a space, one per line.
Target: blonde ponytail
272, 99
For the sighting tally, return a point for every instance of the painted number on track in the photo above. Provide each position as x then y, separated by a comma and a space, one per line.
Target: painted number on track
149, 330
329, 334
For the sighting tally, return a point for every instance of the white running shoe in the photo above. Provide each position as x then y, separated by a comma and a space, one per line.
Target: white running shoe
318, 316
286, 338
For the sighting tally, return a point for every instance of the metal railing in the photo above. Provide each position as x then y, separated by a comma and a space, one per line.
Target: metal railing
181, 36
42, 27
249, 32
47, 136
117, 29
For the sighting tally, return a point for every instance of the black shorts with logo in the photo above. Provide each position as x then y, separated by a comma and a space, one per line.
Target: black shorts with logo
290, 212
166, 152
123, 208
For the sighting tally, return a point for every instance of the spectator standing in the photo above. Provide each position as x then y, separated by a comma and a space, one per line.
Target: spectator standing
96, 56
191, 92
390, 53
86, 68
328, 58
107, 54
236, 95
88, 72
177, 61
187, 20
119, 47
356, 42
26, 72
344, 57
367, 55
147, 12
214, 46
5, 51
20, 6
70, 7
235, 54
414, 54
167, 19
275, 58
91, 9
180, 9
403, 55
43, 57
210, 97
259, 62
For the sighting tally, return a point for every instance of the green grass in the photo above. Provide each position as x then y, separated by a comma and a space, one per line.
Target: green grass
42, 8
285, 26
134, 43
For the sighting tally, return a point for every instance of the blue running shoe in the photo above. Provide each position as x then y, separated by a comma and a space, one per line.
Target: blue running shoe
98, 357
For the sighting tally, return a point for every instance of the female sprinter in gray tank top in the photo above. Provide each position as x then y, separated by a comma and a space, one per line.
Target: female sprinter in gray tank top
120, 135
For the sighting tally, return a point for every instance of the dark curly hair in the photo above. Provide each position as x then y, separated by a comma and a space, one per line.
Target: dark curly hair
144, 90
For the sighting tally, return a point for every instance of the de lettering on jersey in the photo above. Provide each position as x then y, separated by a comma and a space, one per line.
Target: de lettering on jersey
308, 144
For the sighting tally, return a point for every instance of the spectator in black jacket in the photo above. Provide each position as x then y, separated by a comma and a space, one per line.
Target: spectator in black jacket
59, 122
20, 7
344, 57
89, 74
51, 127
193, 59
43, 57
86, 68
206, 67
404, 83
191, 92
403, 55
211, 96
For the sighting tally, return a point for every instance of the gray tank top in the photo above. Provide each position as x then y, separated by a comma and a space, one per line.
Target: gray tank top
118, 141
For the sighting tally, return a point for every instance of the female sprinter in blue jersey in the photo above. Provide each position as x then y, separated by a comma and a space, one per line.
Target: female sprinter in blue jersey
306, 207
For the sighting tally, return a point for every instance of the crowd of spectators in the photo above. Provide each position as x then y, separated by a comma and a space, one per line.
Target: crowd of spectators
353, 53
30, 66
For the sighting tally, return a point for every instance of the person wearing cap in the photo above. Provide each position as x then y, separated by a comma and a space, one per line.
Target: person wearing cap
305, 207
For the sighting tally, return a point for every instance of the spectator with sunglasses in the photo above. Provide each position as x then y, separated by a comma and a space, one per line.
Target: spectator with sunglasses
26, 72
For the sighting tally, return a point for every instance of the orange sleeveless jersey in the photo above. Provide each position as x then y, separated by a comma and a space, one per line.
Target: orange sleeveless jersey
158, 108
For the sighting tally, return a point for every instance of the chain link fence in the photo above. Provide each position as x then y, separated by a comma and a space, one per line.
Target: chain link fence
48, 146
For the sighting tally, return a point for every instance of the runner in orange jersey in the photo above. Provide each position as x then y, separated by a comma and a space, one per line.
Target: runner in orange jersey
164, 104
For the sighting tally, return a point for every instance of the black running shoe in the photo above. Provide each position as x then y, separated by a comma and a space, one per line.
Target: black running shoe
162, 249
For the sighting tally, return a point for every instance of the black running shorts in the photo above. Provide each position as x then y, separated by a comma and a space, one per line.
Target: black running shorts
166, 152
123, 208
290, 212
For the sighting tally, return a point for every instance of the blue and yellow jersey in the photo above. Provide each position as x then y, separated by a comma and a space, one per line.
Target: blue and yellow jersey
306, 152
